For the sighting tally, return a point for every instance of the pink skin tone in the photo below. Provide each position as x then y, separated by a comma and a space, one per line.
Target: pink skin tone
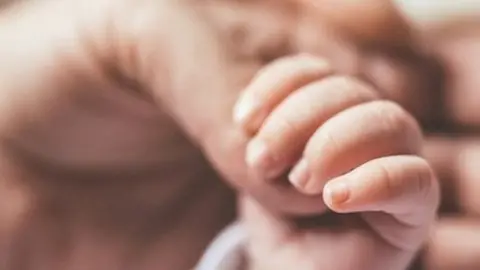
343, 142
454, 157
110, 130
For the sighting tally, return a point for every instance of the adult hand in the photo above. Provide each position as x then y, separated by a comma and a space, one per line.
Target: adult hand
96, 172
454, 152
371, 21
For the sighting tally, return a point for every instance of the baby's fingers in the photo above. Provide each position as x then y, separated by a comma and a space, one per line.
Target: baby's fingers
286, 131
352, 138
273, 84
398, 196
402, 186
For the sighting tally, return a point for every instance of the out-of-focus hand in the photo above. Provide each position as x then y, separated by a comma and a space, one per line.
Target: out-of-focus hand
96, 99
371, 21
453, 243
455, 154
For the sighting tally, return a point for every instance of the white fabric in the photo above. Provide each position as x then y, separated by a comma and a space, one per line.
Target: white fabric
226, 251
432, 13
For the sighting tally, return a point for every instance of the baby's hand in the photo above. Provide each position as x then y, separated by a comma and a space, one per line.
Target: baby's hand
325, 126
346, 143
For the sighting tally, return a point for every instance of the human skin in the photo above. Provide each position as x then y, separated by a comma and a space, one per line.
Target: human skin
454, 152
452, 146
95, 174
343, 142
375, 21
95, 140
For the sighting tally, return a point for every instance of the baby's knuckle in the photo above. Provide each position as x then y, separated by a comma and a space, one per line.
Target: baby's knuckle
352, 85
397, 118
391, 111
388, 180
324, 144
282, 125
425, 180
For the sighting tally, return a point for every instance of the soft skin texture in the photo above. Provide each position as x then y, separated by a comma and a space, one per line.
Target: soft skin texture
358, 151
374, 20
109, 113
452, 146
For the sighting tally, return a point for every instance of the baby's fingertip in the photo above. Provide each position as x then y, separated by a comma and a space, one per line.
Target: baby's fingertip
336, 195
300, 175
257, 155
247, 113
302, 178
260, 159
242, 110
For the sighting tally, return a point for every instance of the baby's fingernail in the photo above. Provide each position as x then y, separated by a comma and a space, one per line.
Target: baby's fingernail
300, 175
259, 158
244, 109
337, 192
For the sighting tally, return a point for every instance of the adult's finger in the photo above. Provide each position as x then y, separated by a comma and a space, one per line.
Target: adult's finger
216, 79
460, 54
409, 78
456, 161
369, 21
454, 244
